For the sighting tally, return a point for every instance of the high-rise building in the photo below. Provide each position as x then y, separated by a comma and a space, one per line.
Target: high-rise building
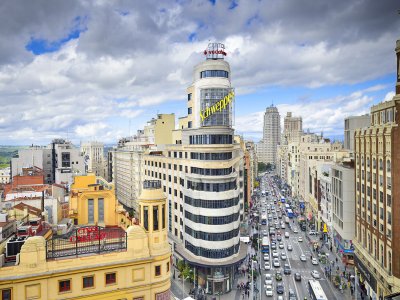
203, 177
292, 128
126, 160
93, 153
267, 147
350, 125
377, 155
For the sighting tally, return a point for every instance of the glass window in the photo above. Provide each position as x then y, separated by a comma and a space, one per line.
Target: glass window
158, 270
155, 217
6, 294
88, 282
90, 211
163, 216
101, 209
111, 278
64, 286
146, 217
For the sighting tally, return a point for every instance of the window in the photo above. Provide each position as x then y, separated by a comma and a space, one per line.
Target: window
189, 110
90, 210
88, 282
190, 124
101, 209
111, 278
155, 217
146, 217
158, 270
388, 166
64, 286
65, 159
6, 294
189, 96
163, 216
214, 73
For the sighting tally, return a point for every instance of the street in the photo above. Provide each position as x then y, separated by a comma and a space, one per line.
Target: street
304, 247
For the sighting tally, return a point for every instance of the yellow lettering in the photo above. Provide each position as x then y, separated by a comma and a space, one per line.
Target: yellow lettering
202, 117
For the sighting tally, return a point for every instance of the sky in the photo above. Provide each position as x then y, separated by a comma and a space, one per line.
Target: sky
98, 70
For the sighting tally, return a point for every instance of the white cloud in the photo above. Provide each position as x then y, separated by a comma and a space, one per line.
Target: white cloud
389, 96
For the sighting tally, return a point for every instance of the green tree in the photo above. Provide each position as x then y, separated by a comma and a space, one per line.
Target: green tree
262, 167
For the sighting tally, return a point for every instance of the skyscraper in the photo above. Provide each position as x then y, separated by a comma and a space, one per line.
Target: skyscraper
292, 128
267, 147
203, 177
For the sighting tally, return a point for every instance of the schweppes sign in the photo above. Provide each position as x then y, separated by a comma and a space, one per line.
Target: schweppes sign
220, 105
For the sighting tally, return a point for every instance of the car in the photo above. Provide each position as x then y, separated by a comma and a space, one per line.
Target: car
275, 254
268, 279
292, 295
279, 237
283, 226
283, 256
286, 234
277, 264
273, 246
279, 288
279, 216
281, 245
268, 291
278, 276
266, 257
287, 270
315, 274
297, 276
267, 266
312, 232
280, 297
300, 239
295, 230
265, 232
314, 261
275, 217
277, 226
276, 223
289, 247
303, 257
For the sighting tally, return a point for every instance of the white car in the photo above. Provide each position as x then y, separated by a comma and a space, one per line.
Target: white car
283, 226
314, 261
280, 297
289, 247
267, 266
281, 245
277, 264
283, 256
295, 230
303, 257
300, 239
269, 291
275, 254
266, 257
315, 274
286, 234
268, 279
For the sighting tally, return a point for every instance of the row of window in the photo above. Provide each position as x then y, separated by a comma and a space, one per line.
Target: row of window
208, 236
214, 73
156, 219
207, 139
211, 203
212, 187
211, 156
212, 220
212, 253
381, 163
211, 172
89, 282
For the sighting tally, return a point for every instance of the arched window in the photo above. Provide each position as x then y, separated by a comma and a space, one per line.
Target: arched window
380, 164
388, 166
368, 162
374, 163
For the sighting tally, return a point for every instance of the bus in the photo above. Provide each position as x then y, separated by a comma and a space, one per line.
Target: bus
265, 245
315, 290
290, 213
263, 219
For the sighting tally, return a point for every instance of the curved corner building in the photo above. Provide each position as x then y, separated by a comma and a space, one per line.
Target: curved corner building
204, 178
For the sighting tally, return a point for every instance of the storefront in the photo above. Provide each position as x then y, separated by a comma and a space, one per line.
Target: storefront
345, 248
365, 280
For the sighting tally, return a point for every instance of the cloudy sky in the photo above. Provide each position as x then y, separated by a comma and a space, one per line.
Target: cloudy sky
98, 70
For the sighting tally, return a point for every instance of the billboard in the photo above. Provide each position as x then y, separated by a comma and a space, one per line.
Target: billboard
216, 106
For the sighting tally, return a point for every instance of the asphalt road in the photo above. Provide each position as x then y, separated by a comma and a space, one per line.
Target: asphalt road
293, 257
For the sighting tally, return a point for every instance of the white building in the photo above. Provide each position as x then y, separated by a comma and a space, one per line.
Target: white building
267, 147
5, 175
93, 153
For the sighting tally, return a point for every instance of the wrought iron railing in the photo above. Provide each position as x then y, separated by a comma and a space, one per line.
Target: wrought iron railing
87, 240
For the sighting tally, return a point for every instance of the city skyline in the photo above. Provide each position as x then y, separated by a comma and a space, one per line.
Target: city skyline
100, 71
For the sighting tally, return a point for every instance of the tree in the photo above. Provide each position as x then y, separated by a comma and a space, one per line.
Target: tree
262, 167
